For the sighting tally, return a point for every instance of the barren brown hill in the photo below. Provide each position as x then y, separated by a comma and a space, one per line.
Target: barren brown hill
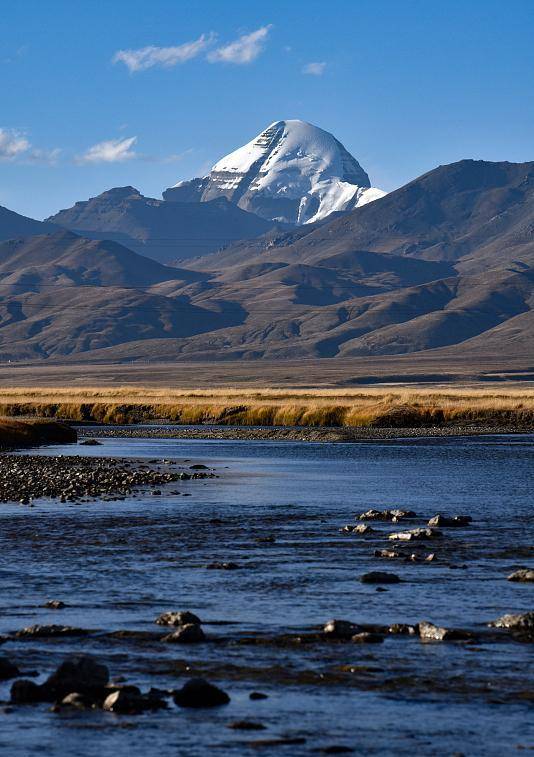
442, 264
161, 230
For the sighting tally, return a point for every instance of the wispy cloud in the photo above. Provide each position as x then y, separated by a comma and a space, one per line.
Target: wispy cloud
13, 144
314, 69
243, 50
48, 157
166, 57
109, 151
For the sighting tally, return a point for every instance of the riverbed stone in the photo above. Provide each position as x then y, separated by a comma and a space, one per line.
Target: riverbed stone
366, 637
379, 577
362, 529
388, 554
55, 604
7, 669
387, 515
126, 701
198, 693
50, 631
430, 632
416, 534
191, 633
523, 575
78, 673
445, 521
340, 629
180, 618
24, 691
520, 625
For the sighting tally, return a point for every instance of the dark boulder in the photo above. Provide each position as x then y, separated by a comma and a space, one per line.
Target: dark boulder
340, 629
191, 633
379, 577
197, 693
80, 673
7, 669
26, 692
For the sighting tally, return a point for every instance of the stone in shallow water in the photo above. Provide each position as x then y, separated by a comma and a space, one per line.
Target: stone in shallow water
392, 515
388, 554
246, 725
340, 629
182, 618
39, 631
7, 669
524, 575
415, 534
79, 673
191, 633
25, 692
55, 604
77, 700
379, 577
520, 624
444, 521
257, 696
129, 702
197, 693
366, 637
430, 632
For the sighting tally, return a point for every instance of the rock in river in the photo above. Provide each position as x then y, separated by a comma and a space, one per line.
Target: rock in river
519, 624
415, 534
7, 669
80, 673
25, 692
445, 521
340, 629
366, 637
379, 577
127, 701
198, 693
182, 618
191, 633
524, 575
430, 632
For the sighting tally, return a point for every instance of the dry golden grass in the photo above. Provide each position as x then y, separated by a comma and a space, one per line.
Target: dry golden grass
373, 406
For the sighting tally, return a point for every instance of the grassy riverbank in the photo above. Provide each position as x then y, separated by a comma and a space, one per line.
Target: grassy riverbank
397, 407
33, 433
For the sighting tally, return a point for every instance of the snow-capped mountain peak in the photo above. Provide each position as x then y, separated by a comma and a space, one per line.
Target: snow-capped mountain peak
292, 171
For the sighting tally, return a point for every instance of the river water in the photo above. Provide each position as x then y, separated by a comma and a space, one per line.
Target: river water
117, 565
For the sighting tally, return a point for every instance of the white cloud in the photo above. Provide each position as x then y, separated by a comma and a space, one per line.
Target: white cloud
243, 50
147, 57
314, 69
13, 144
109, 151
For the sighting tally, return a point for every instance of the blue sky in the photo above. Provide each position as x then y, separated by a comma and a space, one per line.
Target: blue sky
405, 86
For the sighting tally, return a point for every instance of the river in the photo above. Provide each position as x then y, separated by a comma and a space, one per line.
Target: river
117, 565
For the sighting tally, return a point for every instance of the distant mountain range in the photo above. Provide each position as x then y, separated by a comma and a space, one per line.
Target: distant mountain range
165, 231
443, 264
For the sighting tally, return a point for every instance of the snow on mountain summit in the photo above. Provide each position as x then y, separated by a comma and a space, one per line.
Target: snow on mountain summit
292, 172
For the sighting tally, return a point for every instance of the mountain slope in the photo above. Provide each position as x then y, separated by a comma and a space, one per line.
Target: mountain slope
445, 263
157, 229
475, 214
292, 172
62, 294
13, 225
